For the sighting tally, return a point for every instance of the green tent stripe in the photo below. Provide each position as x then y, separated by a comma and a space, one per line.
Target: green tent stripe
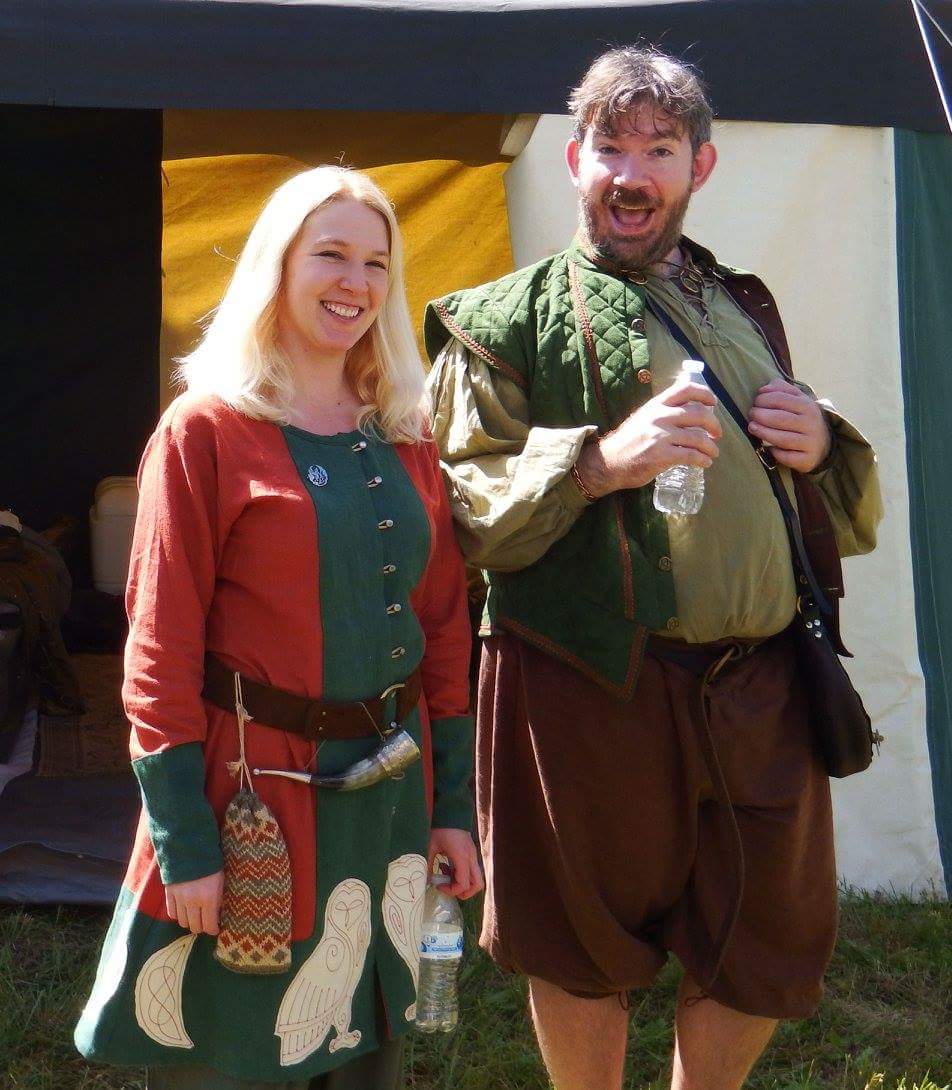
924, 252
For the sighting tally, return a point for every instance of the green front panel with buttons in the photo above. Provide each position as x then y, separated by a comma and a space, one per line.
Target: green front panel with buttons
371, 640
361, 492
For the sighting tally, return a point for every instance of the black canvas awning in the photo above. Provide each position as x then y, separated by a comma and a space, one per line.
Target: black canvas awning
854, 62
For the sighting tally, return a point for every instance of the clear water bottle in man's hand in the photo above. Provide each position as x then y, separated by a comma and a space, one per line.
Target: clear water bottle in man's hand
441, 951
680, 489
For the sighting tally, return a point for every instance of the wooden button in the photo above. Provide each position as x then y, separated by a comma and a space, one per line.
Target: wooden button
664, 563
643, 375
638, 325
672, 624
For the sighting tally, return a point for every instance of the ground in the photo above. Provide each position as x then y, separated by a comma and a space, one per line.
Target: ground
885, 1023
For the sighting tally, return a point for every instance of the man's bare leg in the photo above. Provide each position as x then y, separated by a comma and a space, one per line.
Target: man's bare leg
714, 1047
582, 1040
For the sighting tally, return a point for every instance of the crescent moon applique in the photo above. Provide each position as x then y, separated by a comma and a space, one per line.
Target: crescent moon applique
322, 992
403, 913
158, 994
317, 475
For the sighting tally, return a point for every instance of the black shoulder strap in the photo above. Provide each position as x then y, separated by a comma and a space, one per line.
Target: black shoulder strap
802, 568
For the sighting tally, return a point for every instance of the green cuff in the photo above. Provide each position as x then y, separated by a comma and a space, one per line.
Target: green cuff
452, 772
182, 824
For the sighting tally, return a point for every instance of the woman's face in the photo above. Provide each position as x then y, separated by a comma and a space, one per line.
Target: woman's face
335, 279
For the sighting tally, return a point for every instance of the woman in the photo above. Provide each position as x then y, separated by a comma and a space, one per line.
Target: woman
293, 541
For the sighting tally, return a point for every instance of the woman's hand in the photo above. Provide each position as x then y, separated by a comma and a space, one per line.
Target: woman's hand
458, 847
195, 904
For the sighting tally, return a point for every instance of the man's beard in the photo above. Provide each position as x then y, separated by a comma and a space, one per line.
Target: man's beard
634, 253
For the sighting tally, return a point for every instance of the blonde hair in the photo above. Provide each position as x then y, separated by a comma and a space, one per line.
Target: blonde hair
239, 359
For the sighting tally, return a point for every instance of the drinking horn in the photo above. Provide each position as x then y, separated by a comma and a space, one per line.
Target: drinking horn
394, 754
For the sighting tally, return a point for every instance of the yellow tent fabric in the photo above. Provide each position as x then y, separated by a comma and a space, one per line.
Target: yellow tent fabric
443, 172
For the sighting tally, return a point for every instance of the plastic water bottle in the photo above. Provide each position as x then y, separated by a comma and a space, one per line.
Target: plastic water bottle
680, 489
441, 951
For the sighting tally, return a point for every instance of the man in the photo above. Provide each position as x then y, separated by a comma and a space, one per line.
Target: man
625, 812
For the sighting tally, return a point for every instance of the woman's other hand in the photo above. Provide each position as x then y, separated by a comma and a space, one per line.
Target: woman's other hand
195, 904
458, 847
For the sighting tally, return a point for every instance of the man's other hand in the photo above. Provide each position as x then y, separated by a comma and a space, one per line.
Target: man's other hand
791, 423
678, 427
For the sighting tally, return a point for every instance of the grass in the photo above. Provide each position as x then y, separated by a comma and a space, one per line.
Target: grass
885, 1022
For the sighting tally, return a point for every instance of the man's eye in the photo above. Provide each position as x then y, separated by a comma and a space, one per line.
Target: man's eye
663, 153
606, 149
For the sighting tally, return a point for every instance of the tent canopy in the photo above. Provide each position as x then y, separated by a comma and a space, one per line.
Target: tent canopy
852, 62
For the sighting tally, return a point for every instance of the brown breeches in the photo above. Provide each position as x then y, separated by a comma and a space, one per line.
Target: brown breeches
606, 847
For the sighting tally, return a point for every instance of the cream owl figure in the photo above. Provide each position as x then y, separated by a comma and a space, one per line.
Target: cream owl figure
322, 992
403, 913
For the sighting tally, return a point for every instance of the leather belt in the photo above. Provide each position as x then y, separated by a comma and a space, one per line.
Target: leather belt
315, 720
697, 657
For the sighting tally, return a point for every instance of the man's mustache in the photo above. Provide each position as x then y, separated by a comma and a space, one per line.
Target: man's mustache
633, 200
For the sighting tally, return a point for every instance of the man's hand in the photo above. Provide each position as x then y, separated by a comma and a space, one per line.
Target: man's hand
195, 904
678, 427
458, 847
791, 423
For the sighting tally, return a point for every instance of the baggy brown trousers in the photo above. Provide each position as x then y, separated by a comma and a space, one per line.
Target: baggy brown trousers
606, 847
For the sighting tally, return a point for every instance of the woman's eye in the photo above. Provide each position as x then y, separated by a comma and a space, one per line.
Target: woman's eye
377, 265
329, 253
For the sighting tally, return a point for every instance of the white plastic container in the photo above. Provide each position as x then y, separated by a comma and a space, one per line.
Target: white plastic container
111, 521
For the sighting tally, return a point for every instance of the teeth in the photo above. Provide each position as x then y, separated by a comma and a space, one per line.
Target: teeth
342, 310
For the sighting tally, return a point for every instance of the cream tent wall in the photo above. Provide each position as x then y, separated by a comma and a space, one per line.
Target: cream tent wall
811, 209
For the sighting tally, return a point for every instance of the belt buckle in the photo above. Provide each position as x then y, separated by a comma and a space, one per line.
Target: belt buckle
389, 691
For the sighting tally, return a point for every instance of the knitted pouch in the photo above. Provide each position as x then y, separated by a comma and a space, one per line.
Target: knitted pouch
255, 921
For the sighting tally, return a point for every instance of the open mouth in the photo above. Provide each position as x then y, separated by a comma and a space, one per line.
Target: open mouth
633, 220
341, 310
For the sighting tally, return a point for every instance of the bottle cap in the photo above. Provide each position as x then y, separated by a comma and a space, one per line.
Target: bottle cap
693, 367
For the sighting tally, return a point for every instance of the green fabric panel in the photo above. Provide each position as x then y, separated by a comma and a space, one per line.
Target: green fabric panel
182, 824
452, 769
361, 834
924, 244
359, 634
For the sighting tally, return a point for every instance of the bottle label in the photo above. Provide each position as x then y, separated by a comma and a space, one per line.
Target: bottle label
441, 945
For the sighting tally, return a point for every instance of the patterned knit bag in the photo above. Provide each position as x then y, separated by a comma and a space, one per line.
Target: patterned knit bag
255, 922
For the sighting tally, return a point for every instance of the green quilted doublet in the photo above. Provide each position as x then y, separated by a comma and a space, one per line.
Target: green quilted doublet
573, 338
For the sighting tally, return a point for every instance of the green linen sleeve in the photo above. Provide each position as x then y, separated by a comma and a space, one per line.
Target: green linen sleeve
182, 824
509, 483
452, 772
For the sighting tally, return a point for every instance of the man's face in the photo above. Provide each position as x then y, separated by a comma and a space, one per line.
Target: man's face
634, 187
